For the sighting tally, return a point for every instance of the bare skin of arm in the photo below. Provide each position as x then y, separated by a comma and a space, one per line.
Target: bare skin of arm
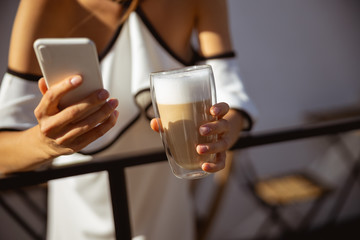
57, 132
95, 19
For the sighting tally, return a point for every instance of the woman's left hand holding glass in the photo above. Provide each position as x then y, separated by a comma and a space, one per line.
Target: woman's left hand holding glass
227, 127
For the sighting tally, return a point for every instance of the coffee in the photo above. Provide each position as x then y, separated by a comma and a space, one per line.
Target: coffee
181, 123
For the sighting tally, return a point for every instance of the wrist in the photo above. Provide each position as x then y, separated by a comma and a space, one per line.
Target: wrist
41, 150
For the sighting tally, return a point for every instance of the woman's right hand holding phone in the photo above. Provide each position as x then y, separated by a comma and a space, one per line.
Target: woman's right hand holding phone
68, 130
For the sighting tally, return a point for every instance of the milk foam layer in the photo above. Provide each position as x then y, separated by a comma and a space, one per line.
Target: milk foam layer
182, 87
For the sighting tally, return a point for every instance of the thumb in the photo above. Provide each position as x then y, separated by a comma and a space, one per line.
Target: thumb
42, 86
154, 124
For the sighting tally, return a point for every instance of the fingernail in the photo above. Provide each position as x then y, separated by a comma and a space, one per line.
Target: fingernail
215, 110
205, 167
113, 103
204, 130
75, 80
202, 149
116, 113
103, 94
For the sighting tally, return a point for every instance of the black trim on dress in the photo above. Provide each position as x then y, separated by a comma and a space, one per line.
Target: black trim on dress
230, 54
10, 130
247, 118
144, 110
110, 45
26, 76
160, 40
115, 139
141, 111
147, 113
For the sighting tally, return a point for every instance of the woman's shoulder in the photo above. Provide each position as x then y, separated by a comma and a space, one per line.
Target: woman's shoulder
55, 19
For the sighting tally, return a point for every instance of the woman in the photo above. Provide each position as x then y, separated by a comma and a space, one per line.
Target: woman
133, 39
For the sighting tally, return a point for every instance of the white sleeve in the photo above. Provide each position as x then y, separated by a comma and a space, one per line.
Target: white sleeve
18, 99
230, 88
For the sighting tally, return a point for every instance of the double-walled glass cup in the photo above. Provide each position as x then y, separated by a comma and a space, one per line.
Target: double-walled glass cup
182, 99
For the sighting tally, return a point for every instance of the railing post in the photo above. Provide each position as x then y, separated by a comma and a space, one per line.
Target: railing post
119, 201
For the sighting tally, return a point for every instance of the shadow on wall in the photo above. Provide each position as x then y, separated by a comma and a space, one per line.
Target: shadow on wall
7, 14
297, 56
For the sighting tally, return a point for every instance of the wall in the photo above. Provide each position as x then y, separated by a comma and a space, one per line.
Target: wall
7, 14
297, 56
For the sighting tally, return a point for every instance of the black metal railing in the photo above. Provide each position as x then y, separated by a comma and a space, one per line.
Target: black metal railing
116, 167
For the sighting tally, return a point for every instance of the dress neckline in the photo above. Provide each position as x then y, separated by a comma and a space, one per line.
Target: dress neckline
150, 27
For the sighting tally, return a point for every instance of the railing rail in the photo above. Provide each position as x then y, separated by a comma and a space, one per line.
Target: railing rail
249, 140
116, 167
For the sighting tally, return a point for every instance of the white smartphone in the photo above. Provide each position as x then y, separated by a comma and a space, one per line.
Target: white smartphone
60, 58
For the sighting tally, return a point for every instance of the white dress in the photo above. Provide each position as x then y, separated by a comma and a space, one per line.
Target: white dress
160, 204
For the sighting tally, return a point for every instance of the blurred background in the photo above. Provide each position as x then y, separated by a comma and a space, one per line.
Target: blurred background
300, 63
